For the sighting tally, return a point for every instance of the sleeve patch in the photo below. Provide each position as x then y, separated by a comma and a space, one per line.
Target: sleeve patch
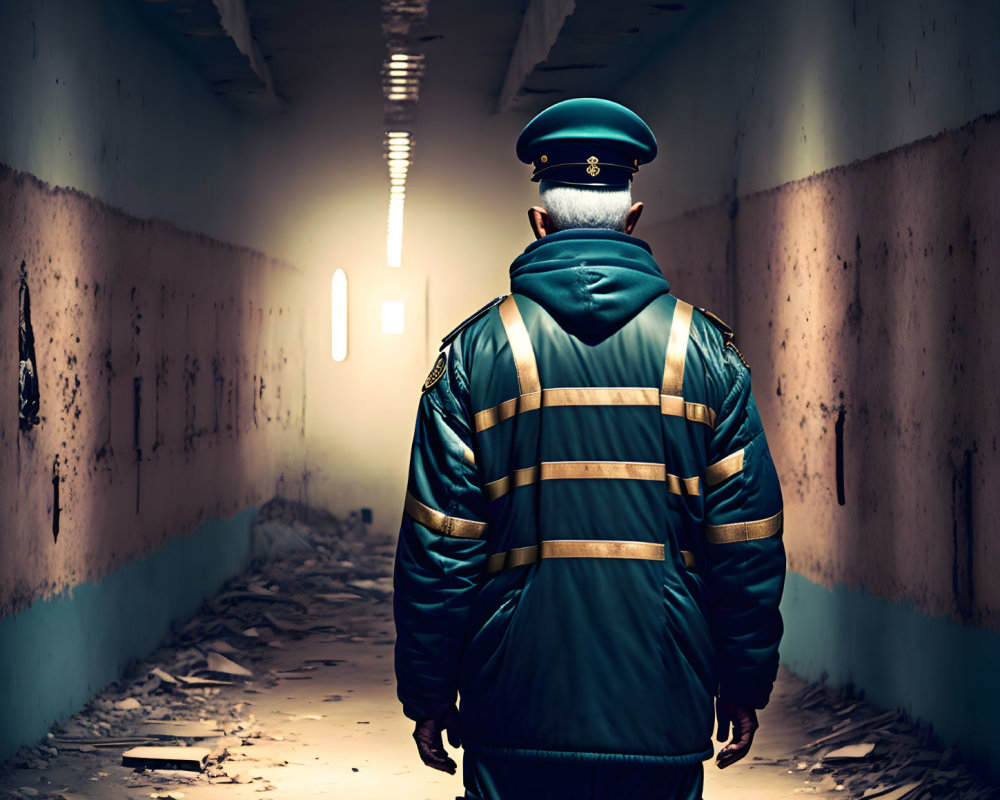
436, 373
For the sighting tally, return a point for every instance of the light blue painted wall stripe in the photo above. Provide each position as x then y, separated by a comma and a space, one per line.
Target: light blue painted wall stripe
56, 654
936, 669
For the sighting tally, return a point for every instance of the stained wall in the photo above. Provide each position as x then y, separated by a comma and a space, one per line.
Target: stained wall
171, 386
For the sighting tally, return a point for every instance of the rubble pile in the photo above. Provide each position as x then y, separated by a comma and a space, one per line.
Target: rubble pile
861, 752
195, 692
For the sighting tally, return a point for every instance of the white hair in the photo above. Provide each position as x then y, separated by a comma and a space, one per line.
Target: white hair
586, 207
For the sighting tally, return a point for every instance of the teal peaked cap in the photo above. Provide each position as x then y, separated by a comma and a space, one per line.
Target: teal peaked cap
586, 141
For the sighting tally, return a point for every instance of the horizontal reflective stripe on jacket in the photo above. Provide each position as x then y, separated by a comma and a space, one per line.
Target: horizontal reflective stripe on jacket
725, 467
531, 395
440, 522
569, 470
744, 531
574, 548
670, 405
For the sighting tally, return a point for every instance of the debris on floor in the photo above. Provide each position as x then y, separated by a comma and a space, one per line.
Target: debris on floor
282, 685
859, 752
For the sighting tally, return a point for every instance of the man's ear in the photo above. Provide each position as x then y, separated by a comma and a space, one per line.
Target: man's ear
540, 221
632, 217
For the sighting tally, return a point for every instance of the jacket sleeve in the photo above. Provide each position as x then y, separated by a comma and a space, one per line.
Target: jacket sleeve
744, 554
441, 552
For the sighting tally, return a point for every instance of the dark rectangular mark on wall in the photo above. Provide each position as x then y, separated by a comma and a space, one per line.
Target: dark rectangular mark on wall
962, 536
136, 416
55, 499
218, 385
839, 431
29, 400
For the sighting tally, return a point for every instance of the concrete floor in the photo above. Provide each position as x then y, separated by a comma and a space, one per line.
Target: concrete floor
319, 716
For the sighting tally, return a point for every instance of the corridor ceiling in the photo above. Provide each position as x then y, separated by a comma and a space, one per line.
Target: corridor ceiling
266, 54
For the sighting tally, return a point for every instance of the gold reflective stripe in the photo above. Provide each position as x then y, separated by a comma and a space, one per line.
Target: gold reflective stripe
724, 468
744, 531
520, 347
469, 455
517, 557
600, 396
568, 470
670, 405
442, 523
626, 470
572, 548
674, 406
492, 416
687, 486
520, 477
680, 330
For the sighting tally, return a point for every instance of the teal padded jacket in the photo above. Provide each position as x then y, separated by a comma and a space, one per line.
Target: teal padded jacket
591, 545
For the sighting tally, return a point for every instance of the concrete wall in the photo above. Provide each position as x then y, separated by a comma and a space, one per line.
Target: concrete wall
92, 98
171, 365
828, 185
171, 386
751, 95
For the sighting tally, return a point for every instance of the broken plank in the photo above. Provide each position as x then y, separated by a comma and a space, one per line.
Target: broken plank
191, 759
864, 723
181, 729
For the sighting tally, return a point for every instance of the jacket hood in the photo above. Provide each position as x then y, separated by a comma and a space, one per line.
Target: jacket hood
591, 281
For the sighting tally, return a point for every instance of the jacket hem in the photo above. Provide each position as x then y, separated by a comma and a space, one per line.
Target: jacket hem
528, 754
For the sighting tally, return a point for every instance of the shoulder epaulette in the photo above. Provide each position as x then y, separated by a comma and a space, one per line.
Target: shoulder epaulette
447, 340
728, 337
723, 328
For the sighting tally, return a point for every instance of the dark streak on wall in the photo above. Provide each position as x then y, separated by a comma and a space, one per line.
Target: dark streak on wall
839, 432
962, 536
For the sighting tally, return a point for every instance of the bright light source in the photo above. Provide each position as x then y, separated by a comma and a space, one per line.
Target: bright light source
339, 307
392, 317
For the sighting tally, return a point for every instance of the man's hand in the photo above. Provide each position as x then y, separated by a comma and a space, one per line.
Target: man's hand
428, 738
744, 722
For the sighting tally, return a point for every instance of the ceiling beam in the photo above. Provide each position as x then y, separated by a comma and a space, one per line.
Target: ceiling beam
539, 31
236, 21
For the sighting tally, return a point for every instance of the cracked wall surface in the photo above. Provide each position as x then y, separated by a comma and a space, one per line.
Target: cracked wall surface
171, 371
866, 295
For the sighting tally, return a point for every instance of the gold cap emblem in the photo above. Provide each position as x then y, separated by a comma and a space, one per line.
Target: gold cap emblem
593, 170
543, 159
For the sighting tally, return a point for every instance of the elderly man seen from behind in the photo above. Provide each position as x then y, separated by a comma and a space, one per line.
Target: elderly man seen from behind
591, 549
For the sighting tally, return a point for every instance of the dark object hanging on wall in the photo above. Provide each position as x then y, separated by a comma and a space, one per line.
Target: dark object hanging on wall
27, 382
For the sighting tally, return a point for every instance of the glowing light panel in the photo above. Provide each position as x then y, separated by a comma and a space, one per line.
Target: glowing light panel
392, 316
339, 307
398, 152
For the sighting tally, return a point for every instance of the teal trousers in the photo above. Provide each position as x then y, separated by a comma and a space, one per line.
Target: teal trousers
489, 777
